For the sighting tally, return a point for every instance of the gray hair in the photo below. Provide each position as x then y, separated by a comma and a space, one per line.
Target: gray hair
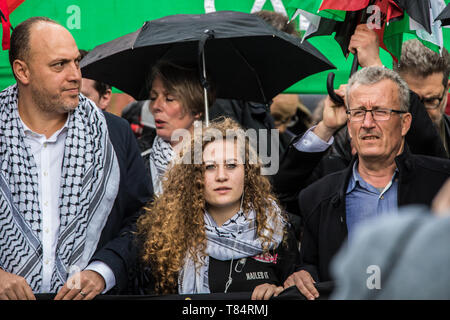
419, 60
372, 75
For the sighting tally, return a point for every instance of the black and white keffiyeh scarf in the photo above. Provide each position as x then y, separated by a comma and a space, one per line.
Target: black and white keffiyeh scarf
160, 157
89, 186
235, 239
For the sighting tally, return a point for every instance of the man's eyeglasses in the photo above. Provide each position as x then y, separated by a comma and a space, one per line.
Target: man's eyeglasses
380, 114
433, 102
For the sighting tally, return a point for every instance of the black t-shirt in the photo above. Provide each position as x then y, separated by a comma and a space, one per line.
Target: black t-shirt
247, 273
246, 276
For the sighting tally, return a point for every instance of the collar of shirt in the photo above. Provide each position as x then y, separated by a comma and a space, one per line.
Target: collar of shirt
31, 134
357, 181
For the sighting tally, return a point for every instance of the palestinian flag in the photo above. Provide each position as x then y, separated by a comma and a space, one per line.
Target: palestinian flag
356, 13
400, 21
312, 7
408, 28
355, 5
444, 16
418, 10
6, 7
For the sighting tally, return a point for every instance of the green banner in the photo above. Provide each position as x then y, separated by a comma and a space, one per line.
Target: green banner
312, 6
96, 22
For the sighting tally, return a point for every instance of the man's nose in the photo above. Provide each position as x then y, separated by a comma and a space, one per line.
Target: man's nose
74, 73
368, 121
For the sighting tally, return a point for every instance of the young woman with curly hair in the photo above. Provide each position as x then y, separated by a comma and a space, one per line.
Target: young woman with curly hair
217, 227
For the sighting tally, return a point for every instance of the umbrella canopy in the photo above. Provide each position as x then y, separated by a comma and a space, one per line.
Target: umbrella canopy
245, 57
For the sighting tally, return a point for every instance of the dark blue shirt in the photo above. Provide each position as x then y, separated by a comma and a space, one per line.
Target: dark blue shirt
365, 202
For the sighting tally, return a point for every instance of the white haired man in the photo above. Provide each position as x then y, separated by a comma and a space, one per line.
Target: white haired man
383, 176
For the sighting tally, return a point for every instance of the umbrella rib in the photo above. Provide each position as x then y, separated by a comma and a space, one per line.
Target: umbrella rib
253, 69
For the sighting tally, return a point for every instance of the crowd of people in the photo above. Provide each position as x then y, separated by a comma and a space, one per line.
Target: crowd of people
94, 204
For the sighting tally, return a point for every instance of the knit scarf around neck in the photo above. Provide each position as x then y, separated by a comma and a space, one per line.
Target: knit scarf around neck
89, 185
161, 155
235, 239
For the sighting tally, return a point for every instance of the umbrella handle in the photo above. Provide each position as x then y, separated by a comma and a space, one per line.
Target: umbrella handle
330, 82
330, 88
355, 64
208, 34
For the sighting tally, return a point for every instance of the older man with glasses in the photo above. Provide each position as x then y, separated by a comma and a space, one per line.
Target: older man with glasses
426, 73
383, 176
327, 148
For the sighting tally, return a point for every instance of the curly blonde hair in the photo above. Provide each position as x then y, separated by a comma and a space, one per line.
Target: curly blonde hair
173, 224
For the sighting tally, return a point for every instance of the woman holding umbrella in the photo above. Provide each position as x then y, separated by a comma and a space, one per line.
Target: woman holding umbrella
176, 102
217, 227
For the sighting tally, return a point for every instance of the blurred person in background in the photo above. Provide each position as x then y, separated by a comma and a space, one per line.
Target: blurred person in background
98, 92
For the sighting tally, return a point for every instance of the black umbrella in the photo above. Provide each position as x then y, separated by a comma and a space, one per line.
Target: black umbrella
245, 57
444, 16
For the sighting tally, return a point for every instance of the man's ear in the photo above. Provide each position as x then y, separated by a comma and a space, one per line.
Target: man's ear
448, 85
348, 129
406, 123
105, 99
21, 71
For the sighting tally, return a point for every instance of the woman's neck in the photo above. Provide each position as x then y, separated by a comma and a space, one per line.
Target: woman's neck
222, 214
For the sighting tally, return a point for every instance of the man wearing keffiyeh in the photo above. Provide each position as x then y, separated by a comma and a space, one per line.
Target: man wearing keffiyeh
71, 182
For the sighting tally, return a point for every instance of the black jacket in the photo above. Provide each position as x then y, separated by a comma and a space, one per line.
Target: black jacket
115, 245
145, 143
299, 169
322, 206
447, 131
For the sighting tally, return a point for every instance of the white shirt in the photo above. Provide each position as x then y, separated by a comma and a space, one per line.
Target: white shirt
310, 142
48, 155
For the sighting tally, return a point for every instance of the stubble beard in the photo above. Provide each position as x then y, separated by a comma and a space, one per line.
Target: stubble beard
52, 103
